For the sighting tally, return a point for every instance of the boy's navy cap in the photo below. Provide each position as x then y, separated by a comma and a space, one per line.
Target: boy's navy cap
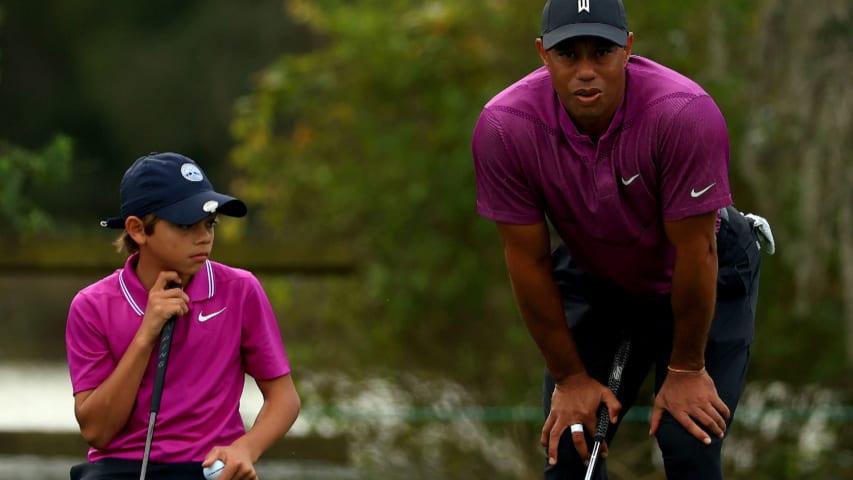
172, 187
565, 19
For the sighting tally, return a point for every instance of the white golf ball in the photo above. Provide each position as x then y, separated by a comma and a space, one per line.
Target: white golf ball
213, 471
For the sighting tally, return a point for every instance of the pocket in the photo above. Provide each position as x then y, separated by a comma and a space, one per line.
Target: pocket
738, 255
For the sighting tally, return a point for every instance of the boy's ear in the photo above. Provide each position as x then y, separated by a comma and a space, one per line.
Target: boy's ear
135, 227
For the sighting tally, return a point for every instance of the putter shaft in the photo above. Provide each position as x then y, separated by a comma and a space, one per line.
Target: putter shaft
592, 460
151, 420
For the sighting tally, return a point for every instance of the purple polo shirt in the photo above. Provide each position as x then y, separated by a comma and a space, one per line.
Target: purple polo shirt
664, 157
229, 331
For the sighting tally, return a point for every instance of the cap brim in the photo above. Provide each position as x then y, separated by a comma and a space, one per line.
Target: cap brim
200, 206
608, 32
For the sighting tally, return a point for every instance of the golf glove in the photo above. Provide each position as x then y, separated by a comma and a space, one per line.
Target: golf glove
762, 226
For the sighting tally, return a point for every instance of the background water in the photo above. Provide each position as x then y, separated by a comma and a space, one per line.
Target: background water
36, 400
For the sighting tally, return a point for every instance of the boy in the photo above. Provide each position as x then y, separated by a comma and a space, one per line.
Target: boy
225, 328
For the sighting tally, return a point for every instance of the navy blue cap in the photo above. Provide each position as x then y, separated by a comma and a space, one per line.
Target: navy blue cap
565, 19
172, 187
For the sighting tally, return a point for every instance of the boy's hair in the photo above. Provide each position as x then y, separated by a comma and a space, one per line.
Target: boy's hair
126, 243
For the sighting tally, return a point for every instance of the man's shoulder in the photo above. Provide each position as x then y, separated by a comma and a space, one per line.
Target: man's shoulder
651, 81
654, 90
530, 93
526, 105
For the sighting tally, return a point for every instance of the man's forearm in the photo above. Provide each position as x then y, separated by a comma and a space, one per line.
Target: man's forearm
541, 308
693, 300
527, 251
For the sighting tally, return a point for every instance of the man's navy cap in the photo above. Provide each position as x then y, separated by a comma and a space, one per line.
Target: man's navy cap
565, 19
172, 187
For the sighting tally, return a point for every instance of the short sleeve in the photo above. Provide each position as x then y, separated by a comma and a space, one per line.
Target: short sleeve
504, 193
89, 359
695, 161
262, 346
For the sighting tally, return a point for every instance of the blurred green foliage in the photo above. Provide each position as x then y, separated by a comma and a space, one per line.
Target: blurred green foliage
21, 171
367, 138
125, 78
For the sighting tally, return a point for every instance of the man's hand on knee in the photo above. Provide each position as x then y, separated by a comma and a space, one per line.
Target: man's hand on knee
575, 402
691, 398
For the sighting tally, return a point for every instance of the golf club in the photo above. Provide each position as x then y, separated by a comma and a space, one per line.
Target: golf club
619, 360
157, 393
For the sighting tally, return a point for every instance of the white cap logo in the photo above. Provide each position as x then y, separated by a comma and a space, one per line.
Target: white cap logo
210, 206
583, 6
191, 172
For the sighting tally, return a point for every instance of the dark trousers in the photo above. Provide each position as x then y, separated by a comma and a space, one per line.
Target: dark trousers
119, 469
599, 314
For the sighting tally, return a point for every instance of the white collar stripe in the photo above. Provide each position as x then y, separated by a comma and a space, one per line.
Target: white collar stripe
127, 295
210, 287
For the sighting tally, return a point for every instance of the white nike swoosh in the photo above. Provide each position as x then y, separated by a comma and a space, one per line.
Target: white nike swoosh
203, 318
630, 180
695, 194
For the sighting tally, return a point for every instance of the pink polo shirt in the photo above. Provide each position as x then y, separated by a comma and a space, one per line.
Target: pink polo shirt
664, 157
229, 331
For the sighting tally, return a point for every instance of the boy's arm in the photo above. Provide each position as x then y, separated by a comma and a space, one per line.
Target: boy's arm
279, 411
103, 411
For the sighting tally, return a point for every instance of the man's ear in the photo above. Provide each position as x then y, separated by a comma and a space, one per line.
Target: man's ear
628, 45
135, 227
543, 54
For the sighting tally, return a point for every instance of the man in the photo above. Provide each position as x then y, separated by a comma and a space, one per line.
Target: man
225, 328
628, 160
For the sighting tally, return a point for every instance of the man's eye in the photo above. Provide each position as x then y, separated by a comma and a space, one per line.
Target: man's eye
212, 223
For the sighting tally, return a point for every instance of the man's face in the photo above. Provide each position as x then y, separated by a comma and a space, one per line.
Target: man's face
588, 74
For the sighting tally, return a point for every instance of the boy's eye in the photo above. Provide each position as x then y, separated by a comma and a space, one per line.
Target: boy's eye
212, 223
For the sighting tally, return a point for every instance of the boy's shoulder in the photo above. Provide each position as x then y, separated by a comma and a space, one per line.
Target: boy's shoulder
222, 276
107, 286
100, 296
223, 271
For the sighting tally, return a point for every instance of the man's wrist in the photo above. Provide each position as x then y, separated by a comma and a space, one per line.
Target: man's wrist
672, 369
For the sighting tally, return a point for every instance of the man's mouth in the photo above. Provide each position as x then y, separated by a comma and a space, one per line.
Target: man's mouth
587, 95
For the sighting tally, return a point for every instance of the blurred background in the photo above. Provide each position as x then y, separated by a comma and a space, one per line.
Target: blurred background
345, 125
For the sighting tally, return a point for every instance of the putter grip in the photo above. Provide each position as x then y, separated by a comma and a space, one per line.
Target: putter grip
613, 383
163, 357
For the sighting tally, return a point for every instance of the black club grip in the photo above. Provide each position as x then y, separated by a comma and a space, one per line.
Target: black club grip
619, 360
163, 357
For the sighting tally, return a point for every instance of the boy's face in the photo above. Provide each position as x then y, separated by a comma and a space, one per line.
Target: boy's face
180, 248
